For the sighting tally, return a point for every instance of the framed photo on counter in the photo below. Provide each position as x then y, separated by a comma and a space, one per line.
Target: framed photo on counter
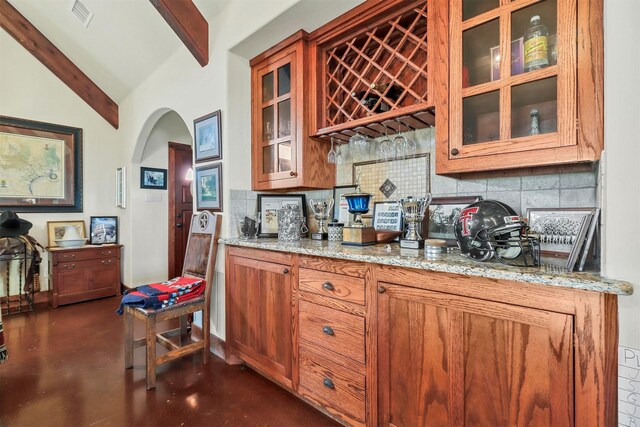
268, 206
103, 230
340, 206
443, 213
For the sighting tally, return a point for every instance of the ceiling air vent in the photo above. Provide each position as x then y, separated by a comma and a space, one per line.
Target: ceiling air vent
81, 12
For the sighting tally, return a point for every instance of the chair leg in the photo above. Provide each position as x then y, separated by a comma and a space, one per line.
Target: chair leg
128, 339
205, 335
151, 352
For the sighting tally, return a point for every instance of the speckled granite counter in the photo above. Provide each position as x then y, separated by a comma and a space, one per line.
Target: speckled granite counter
449, 263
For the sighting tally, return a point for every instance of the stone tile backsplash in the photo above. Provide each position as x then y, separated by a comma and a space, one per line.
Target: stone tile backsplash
519, 192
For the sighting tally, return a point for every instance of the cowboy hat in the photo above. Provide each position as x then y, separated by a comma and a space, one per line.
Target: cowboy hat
11, 225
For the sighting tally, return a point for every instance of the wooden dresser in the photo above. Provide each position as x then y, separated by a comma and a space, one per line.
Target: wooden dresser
82, 274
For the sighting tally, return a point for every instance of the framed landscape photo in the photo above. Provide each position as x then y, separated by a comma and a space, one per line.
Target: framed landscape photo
443, 213
208, 137
40, 166
153, 178
209, 187
55, 230
268, 206
103, 230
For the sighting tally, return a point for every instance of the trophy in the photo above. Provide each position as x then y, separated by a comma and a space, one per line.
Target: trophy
357, 234
413, 210
321, 210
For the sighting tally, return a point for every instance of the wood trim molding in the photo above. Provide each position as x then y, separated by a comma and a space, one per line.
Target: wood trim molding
25, 33
190, 26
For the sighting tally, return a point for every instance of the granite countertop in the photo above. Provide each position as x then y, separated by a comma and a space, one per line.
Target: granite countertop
452, 262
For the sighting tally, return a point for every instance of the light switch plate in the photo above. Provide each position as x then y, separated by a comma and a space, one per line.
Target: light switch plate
152, 196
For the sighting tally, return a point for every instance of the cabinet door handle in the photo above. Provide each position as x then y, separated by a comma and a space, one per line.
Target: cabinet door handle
285, 271
178, 225
328, 383
292, 173
328, 330
382, 289
455, 151
328, 286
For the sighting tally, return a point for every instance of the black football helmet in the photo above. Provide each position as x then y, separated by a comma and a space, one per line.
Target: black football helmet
490, 228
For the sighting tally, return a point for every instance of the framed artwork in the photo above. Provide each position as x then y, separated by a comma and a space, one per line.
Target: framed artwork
268, 206
209, 187
40, 166
208, 137
121, 187
55, 230
153, 178
103, 230
387, 216
340, 206
443, 213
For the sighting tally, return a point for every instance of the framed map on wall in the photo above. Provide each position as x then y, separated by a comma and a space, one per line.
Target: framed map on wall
40, 166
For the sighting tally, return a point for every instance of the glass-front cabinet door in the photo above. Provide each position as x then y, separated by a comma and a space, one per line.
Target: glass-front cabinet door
512, 76
276, 150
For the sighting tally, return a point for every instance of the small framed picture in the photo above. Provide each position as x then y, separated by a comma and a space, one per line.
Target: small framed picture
387, 216
153, 178
340, 205
56, 230
559, 229
121, 187
209, 187
268, 206
103, 230
208, 137
443, 213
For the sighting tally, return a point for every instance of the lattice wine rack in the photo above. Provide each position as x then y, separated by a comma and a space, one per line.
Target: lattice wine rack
375, 75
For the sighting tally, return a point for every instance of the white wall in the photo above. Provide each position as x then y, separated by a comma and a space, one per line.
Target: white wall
622, 162
30, 91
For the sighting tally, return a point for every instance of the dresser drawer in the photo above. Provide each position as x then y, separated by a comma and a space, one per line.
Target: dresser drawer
339, 390
333, 285
84, 254
333, 330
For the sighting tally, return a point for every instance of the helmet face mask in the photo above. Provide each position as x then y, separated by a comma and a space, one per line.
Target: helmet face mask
489, 228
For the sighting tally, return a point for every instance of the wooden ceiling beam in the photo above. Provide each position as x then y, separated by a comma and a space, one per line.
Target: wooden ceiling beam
25, 33
188, 23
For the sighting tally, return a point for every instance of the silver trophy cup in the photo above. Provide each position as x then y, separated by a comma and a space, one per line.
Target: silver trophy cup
321, 210
413, 210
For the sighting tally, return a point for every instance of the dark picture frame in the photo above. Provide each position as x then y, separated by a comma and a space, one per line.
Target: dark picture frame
103, 230
207, 131
442, 214
208, 182
153, 178
54, 154
268, 206
387, 216
340, 207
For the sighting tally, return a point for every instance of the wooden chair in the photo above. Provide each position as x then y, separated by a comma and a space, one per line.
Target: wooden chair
199, 261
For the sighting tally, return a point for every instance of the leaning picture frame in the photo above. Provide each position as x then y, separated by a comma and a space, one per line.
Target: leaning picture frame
208, 137
340, 205
55, 230
268, 206
103, 230
208, 182
442, 215
559, 229
41, 166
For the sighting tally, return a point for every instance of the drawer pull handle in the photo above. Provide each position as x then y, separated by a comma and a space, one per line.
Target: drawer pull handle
328, 383
328, 286
382, 289
285, 271
328, 330
73, 266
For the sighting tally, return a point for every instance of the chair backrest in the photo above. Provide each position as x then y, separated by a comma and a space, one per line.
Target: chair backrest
202, 248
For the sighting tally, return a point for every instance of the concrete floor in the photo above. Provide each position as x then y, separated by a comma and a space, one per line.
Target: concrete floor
66, 368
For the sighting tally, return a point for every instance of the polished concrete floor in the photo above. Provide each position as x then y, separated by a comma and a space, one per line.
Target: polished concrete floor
65, 368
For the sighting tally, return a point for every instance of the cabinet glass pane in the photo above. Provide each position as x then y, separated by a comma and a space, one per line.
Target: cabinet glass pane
267, 87
284, 118
471, 8
284, 156
267, 123
481, 118
534, 28
480, 49
534, 108
284, 79
269, 159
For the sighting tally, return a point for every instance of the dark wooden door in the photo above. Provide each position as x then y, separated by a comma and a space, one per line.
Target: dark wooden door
180, 204
260, 304
445, 360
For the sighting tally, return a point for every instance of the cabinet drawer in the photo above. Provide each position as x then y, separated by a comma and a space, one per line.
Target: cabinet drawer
334, 330
91, 263
332, 285
81, 255
339, 390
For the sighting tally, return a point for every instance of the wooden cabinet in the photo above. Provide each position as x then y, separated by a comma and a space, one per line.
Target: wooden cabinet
543, 107
282, 154
85, 273
259, 312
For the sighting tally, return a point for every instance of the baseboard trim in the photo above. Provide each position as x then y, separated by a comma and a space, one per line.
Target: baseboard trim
39, 299
216, 345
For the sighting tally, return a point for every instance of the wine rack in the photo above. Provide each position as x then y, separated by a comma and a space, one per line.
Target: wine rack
377, 76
